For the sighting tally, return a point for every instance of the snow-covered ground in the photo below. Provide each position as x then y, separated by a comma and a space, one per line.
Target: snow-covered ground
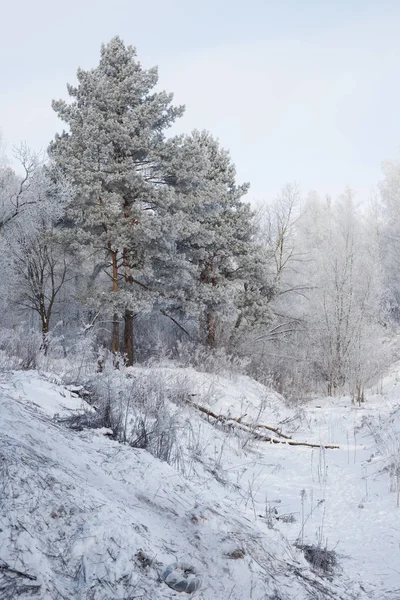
87, 517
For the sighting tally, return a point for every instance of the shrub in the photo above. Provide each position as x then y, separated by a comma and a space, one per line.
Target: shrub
19, 348
321, 559
139, 409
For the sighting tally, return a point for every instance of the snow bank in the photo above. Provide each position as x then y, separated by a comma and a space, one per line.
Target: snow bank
85, 517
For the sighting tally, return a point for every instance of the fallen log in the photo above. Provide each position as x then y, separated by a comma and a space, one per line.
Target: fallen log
277, 431
249, 428
239, 420
288, 442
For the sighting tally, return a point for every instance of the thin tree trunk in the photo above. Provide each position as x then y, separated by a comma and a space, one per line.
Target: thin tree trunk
207, 277
45, 325
210, 329
45, 335
115, 335
128, 338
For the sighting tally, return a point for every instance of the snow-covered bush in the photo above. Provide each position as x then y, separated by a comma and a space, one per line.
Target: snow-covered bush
324, 561
19, 348
387, 437
219, 361
141, 410
74, 362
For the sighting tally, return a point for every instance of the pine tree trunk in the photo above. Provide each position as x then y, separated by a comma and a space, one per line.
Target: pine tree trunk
115, 327
210, 329
115, 335
128, 338
128, 325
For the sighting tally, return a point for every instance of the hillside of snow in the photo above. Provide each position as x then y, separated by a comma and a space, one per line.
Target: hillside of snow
83, 516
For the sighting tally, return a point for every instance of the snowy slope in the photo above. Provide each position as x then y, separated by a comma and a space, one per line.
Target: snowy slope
82, 513
344, 497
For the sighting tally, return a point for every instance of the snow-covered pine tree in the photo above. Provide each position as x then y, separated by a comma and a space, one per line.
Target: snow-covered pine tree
111, 155
216, 230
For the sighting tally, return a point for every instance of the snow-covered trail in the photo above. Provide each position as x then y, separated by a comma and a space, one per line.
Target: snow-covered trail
345, 504
341, 495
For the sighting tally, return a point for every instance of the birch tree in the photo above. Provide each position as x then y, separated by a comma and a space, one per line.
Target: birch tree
390, 230
35, 262
345, 300
15, 190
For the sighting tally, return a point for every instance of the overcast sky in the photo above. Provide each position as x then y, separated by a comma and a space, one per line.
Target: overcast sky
297, 90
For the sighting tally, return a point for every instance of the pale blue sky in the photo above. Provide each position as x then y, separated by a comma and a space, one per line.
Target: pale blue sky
305, 91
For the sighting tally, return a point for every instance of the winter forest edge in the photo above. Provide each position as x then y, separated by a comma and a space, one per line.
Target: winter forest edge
130, 257
133, 244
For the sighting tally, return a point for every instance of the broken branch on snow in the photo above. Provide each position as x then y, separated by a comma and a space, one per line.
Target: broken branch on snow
249, 427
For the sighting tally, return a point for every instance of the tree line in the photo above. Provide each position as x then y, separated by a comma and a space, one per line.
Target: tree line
136, 239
